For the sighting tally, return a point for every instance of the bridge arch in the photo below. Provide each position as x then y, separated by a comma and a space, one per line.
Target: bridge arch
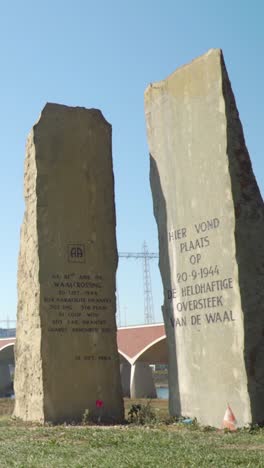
8, 345
155, 352
142, 345
123, 356
7, 364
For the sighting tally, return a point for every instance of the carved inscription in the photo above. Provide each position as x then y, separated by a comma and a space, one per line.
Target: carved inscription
200, 294
76, 304
76, 253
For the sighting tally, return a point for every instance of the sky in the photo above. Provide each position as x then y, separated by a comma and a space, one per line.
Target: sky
103, 54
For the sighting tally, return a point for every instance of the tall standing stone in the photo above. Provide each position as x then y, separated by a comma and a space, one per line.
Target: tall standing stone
210, 220
66, 351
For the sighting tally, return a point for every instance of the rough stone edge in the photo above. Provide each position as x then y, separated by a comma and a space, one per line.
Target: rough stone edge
162, 83
64, 107
24, 317
249, 230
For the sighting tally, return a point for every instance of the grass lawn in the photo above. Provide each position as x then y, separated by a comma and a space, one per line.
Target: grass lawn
159, 445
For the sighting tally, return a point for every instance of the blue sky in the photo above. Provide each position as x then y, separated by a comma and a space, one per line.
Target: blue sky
103, 54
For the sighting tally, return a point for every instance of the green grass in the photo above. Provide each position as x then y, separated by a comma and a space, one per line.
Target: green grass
175, 445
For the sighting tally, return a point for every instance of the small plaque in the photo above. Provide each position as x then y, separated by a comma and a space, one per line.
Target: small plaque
76, 253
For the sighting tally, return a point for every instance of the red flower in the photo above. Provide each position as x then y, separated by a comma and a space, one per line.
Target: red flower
99, 403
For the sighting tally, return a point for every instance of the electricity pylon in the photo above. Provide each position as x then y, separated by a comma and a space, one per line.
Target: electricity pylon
146, 256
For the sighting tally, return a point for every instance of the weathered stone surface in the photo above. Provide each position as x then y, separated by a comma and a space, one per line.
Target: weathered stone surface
210, 220
66, 352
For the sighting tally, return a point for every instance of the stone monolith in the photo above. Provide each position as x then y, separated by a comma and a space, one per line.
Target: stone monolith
210, 219
66, 352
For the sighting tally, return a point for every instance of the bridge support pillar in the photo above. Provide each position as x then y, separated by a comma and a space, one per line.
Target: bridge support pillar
141, 381
125, 372
5, 379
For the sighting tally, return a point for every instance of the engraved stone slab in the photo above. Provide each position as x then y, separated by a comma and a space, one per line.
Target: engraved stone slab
66, 351
210, 217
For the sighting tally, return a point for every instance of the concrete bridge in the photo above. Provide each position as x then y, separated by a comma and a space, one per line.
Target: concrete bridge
138, 347
6, 365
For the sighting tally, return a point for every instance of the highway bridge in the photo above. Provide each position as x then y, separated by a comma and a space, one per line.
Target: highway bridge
139, 346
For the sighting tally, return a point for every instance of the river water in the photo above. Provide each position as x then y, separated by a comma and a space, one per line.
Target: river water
162, 392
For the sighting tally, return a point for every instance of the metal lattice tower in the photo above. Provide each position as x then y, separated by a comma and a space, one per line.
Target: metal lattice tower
148, 298
146, 256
